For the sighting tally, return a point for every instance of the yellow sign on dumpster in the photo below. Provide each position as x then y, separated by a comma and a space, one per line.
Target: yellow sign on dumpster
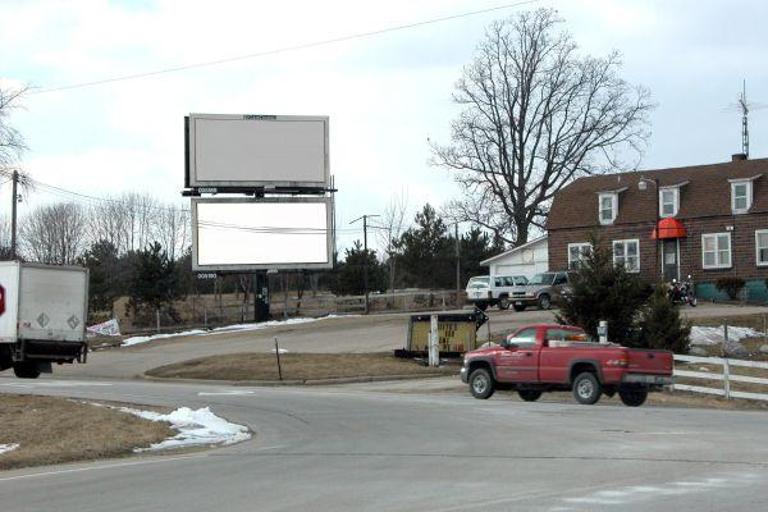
457, 332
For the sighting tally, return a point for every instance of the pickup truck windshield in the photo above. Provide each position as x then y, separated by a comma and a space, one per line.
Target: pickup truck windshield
479, 282
545, 278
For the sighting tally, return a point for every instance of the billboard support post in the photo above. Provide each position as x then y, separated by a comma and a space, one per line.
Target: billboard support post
260, 284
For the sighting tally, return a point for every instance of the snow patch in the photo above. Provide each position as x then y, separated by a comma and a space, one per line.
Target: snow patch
200, 427
5, 448
136, 340
716, 335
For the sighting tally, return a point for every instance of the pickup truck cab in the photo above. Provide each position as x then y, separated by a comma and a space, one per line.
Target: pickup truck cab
549, 357
484, 291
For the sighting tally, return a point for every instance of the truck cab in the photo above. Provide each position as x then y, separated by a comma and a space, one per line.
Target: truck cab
541, 358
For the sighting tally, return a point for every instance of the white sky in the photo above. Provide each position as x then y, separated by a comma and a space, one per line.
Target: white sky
385, 95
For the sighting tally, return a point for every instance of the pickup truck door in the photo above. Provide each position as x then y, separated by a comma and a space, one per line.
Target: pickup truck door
519, 363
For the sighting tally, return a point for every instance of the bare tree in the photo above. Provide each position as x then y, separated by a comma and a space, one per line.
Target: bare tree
54, 233
107, 222
536, 115
11, 141
172, 230
391, 226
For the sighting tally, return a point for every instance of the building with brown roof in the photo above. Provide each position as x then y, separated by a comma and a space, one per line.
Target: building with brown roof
707, 221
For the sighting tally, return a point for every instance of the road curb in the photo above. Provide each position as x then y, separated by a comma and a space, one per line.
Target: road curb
297, 382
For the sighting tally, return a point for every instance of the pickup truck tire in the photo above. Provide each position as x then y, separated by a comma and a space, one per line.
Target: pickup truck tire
26, 370
481, 384
586, 388
545, 302
529, 395
503, 304
519, 307
633, 396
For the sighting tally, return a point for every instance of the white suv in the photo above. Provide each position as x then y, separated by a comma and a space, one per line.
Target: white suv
484, 291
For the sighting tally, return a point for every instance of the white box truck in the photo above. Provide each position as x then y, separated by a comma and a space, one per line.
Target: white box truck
42, 319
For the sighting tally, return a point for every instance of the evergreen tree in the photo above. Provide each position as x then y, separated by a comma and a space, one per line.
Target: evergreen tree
350, 276
104, 284
600, 290
476, 246
661, 325
155, 283
426, 254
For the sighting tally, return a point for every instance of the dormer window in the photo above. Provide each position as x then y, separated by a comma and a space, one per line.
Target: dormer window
669, 201
609, 207
741, 196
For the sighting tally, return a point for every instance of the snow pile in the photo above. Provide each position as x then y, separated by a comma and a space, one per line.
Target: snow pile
5, 448
716, 335
136, 340
196, 428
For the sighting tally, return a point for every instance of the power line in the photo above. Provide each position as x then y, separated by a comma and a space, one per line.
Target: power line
285, 49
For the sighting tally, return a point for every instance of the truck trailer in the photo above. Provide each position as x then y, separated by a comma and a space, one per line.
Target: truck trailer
43, 309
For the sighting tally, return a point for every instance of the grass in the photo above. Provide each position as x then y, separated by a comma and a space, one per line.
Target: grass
301, 367
57, 430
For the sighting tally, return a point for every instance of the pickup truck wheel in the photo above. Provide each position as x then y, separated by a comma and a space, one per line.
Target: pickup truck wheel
633, 396
26, 370
545, 302
503, 304
481, 384
519, 307
587, 389
529, 395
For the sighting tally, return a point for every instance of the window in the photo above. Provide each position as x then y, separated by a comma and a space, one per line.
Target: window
669, 201
761, 247
577, 253
716, 250
524, 339
627, 253
561, 278
741, 196
565, 335
609, 205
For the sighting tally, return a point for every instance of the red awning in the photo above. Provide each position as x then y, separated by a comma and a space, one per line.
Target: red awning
670, 228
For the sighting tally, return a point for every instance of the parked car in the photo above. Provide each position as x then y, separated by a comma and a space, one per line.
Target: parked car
542, 290
540, 358
484, 291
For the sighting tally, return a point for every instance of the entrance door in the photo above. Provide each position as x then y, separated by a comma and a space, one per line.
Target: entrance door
670, 260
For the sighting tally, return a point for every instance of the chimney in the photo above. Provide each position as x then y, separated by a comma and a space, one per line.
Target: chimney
738, 156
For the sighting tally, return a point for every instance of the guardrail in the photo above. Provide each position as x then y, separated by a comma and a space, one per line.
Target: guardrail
726, 377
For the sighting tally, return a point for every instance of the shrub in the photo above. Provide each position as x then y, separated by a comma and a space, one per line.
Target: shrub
601, 291
732, 286
661, 326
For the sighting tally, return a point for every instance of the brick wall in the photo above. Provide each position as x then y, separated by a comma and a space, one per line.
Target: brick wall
742, 245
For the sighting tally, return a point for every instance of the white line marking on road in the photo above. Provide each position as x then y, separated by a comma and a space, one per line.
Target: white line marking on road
225, 393
100, 467
56, 383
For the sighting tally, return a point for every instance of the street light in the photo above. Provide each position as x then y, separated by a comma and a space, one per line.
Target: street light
642, 185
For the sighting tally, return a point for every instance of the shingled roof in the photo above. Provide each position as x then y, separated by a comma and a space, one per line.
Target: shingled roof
705, 192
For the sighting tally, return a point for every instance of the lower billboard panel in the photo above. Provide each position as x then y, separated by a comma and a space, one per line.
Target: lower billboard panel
242, 235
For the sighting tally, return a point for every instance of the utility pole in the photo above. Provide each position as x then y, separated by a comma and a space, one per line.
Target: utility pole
365, 255
458, 263
14, 202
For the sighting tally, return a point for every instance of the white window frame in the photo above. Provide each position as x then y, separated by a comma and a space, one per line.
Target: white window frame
580, 246
748, 184
614, 207
624, 243
718, 263
759, 232
675, 201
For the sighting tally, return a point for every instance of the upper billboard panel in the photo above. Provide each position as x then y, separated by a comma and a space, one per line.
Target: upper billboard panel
257, 151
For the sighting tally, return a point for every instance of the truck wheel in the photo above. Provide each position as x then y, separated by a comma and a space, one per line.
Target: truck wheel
545, 302
481, 384
587, 389
26, 370
503, 304
529, 395
633, 396
519, 307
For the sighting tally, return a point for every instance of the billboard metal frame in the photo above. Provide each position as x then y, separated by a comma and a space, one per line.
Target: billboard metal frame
190, 168
248, 268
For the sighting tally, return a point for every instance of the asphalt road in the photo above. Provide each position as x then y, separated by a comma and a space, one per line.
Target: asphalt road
340, 334
346, 449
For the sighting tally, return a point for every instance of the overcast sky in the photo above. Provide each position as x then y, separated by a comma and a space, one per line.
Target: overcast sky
385, 94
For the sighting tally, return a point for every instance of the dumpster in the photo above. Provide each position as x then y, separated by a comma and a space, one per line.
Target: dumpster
457, 332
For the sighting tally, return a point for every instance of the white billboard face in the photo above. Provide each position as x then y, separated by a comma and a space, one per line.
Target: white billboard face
258, 234
246, 151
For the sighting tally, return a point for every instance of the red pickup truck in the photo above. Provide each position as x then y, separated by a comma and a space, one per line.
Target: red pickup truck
551, 357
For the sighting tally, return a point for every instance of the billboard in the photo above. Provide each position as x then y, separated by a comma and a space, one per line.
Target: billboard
256, 151
247, 234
